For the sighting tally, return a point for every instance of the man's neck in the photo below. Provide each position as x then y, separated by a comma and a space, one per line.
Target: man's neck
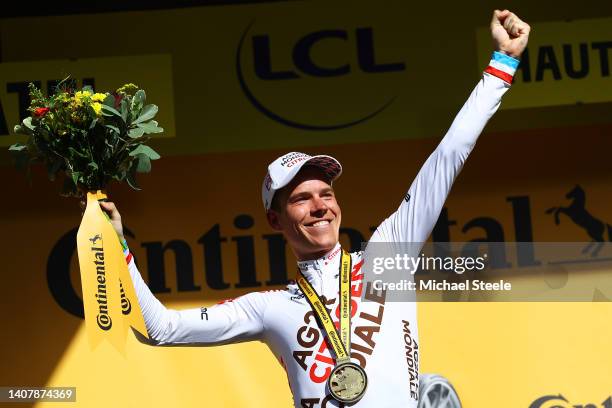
315, 255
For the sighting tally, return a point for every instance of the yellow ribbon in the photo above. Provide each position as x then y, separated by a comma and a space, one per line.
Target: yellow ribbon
340, 343
109, 298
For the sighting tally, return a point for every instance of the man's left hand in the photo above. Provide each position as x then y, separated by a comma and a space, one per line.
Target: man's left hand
510, 33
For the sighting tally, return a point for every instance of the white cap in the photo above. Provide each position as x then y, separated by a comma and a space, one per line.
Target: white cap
282, 170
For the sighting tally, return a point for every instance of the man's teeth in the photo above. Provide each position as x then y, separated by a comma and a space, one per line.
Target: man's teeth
319, 223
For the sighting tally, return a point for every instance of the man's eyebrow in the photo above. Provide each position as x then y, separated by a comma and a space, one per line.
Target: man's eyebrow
299, 195
302, 194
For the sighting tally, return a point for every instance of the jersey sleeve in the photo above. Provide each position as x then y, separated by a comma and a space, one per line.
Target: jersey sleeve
232, 321
419, 211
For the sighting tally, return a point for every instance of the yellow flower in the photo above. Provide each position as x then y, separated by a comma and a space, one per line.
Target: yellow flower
128, 88
82, 94
98, 97
79, 96
63, 97
97, 107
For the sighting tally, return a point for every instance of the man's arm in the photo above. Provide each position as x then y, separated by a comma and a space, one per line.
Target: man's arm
420, 209
232, 321
237, 320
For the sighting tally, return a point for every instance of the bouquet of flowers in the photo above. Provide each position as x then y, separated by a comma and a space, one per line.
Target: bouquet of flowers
91, 138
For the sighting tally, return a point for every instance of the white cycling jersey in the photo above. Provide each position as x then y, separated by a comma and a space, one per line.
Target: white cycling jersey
384, 335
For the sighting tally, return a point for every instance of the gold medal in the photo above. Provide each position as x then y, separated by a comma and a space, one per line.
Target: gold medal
347, 382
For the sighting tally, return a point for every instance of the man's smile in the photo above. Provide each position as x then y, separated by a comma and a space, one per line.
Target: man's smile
319, 223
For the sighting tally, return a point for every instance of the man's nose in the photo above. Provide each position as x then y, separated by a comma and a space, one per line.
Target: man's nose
319, 206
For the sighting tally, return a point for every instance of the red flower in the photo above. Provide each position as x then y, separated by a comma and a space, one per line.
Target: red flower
117, 100
40, 112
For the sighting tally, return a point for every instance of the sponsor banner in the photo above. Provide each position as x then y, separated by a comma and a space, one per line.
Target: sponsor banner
560, 401
566, 63
289, 74
199, 234
150, 72
283, 74
248, 79
109, 300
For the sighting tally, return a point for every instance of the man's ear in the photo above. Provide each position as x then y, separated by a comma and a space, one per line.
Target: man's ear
273, 220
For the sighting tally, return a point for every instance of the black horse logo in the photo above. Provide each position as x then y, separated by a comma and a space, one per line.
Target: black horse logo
94, 239
577, 212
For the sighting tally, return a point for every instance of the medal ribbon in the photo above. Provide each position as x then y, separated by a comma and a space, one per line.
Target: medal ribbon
341, 343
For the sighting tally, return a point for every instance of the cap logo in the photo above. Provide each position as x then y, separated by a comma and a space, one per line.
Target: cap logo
292, 159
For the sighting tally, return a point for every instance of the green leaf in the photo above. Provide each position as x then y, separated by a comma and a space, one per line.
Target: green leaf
22, 130
124, 110
136, 132
113, 128
75, 152
137, 103
110, 111
111, 148
147, 151
144, 163
27, 122
119, 176
92, 165
131, 179
148, 113
109, 101
88, 88
17, 147
150, 127
93, 123
75, 175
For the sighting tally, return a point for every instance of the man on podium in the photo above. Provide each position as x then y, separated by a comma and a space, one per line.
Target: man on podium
369, 346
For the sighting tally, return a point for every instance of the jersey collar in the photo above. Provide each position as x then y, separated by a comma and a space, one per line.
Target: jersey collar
328, 262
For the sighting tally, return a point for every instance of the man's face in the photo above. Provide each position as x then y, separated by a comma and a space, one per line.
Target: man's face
309, 215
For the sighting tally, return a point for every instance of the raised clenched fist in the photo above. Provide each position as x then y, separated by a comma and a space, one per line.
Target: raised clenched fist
510, 33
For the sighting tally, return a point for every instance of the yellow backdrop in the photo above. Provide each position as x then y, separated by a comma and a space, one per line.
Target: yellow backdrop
412, 59
497, 354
